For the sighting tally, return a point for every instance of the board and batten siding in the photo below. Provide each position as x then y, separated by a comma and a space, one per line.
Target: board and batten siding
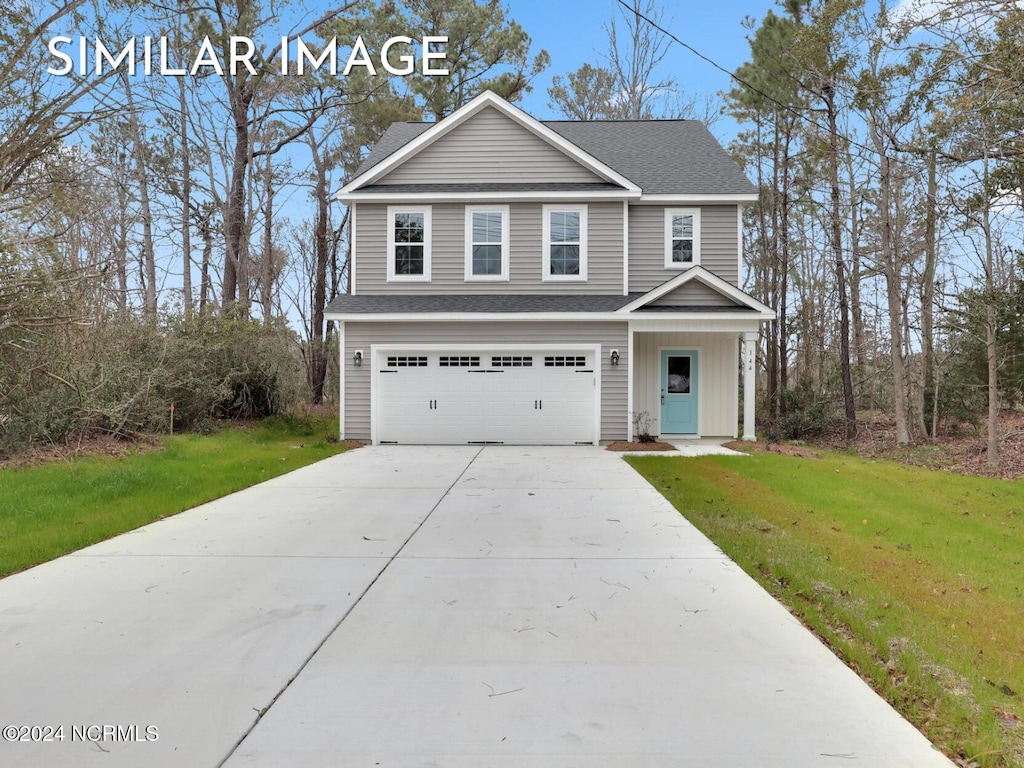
489, 148
719, 242
358, 335
718, 384
526, 252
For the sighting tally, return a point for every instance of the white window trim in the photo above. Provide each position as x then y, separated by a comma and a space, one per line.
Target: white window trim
426, 211
546, 275
505, 222
669, 213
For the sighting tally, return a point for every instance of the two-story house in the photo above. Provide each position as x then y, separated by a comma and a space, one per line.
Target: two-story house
537, 282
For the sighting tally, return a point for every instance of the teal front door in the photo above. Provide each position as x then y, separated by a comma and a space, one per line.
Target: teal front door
679, 392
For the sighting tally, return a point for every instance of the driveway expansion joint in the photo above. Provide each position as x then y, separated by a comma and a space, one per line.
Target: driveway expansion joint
262, 713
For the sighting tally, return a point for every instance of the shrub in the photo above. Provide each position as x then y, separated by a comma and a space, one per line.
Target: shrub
121, 376
642, 423
804, 413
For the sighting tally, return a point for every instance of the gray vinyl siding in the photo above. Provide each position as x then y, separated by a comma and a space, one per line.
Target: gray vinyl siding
491, 148
693, 294
719, 378
614, 408
448, 252
718, 244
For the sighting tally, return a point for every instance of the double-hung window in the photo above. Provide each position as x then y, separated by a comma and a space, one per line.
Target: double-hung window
408, 243
565, 242
682, 237
487, 242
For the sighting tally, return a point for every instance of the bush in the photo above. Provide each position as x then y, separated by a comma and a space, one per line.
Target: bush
804, 414
122, 377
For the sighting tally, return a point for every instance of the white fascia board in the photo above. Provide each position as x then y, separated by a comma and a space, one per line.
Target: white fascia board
472, 197
539, 317
459, 116
719, 325
668, 199
710, 279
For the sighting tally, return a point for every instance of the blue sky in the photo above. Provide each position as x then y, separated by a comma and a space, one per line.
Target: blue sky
571, 31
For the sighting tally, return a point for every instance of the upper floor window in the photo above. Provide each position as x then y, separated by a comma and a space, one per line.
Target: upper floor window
565, 242
408, 243
682, 237
487, 242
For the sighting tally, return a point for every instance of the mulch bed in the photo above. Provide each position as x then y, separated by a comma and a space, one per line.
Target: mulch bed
636, 445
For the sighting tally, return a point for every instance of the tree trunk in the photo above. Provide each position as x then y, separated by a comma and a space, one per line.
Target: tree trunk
186, 203
321, 254
267, 282
892, 291
784, 270
992, 443
849, 407
122, 249
205, 286
148, 255
929, 394
234, 207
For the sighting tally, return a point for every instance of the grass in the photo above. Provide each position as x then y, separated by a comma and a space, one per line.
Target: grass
914, 577
50, 510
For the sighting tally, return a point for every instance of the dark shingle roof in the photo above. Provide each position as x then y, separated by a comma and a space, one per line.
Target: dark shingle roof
659, 156
395, 137
483, 302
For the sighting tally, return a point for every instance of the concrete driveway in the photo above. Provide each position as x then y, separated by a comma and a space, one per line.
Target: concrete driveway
403, 606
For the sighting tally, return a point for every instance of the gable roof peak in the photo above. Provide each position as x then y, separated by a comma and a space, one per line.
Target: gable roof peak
488, 99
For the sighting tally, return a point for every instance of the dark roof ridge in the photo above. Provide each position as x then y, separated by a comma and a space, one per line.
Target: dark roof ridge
630, 120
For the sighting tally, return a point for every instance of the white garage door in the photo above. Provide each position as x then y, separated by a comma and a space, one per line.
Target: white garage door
451, 396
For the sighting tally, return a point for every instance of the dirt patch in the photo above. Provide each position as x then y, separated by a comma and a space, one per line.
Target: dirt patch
98, 445
783, 449
636, 445
353, 444
962, 451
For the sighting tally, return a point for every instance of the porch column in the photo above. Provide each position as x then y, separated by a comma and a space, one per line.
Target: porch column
341, 380
749, 356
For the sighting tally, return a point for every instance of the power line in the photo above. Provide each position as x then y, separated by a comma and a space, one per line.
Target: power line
743, 82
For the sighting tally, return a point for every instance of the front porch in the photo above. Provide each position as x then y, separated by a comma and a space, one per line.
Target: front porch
685, 378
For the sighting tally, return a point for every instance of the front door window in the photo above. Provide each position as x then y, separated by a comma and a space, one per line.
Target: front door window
679, 374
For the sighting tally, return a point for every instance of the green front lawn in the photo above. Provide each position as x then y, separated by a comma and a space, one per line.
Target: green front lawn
914, 577
53, 509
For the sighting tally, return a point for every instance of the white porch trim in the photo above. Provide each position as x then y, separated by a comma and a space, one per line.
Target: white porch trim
630, 373
711, 280
749, 356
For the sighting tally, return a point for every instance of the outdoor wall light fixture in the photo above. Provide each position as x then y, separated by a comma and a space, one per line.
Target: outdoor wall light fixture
357, 358
615, 357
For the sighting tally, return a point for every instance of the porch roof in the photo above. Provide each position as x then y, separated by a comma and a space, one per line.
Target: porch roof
477, 303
